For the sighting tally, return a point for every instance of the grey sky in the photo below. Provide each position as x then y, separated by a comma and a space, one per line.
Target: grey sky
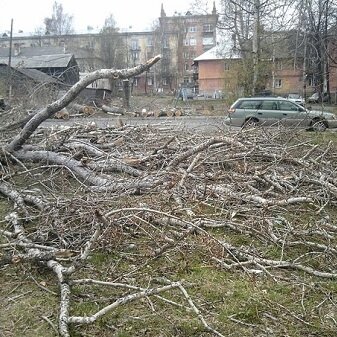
29, 15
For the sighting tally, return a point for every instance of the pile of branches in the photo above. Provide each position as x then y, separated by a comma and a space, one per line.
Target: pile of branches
166, 186
146, 193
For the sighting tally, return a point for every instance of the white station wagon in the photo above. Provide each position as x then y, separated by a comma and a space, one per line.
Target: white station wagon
274, 110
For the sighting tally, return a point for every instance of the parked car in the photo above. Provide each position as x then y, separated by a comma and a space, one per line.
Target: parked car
273, 110
314, 98
296, 98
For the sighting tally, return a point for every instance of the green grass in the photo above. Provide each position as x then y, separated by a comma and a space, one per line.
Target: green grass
322, 138
279, 303
24, 304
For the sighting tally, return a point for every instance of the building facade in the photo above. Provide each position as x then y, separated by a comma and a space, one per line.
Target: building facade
179, 39
183, 38
283, 69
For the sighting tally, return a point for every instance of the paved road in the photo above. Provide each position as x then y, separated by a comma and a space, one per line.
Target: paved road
197, 123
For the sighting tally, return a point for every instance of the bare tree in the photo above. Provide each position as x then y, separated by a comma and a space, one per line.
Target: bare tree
249, 24
317, 26
112, 51
60, 23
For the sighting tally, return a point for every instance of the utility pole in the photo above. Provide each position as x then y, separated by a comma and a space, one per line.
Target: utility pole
256, 45
303, 30
10, 63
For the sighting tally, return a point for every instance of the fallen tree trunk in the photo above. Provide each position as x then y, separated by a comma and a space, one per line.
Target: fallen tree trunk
114, 110
84, 173
85, 109
62, 114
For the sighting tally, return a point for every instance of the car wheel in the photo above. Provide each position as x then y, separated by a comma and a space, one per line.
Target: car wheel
250, 123
319, 125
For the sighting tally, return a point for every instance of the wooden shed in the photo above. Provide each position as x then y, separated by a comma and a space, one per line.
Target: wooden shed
60, 66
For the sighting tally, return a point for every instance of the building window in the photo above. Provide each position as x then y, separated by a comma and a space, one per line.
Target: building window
193, 42
166, 43
207, 41
186, 42
165, 81
186, 55
149, 81
207, 28
186, 80
134, 44
226, 66
149, 41
187, 67
135, 82
278, 83
192, 29
134, 55
311, 80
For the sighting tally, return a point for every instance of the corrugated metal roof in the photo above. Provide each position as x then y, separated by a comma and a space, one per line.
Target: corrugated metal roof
38, 76
41, 61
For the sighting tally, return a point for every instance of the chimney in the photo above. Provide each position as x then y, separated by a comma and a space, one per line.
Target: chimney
214, 8
162, 12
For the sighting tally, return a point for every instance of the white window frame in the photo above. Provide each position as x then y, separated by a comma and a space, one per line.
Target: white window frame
208, 28
207, 41
134, 44
311, 81
149, 41
193, 41
166, 43
278, 83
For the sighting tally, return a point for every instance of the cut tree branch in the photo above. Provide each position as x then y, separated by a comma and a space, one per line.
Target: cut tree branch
61, 103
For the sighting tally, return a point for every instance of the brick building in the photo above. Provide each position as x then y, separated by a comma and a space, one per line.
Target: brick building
217, 72
281, 68
183, 39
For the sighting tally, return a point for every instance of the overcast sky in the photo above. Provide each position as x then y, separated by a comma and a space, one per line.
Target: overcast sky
28, 15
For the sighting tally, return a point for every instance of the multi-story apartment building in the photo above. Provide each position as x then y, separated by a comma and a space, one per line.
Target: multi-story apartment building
183, 38
179, 39
283, 68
